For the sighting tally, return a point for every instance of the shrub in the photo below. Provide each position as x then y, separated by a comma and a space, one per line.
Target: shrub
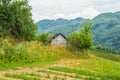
15, 54
81, 39
44, 38
12, 53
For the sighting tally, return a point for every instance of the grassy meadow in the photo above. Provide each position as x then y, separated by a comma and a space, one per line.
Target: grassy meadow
45, 62
25, 52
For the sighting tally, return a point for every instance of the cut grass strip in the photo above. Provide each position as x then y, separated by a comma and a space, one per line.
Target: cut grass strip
63, 74
90, 78
32, 74
72, 70
47, 76
86, 73
21, 76
55, 78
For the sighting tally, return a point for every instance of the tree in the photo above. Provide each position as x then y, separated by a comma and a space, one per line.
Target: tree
16, 19
44, 38
83, 38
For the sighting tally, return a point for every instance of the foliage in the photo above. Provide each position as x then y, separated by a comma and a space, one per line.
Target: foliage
83, 38
47, 25
60, 25
16, 19
106, 30
43, 38
11, 53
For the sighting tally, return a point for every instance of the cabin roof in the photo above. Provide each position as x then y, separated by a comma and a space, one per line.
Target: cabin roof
56, 36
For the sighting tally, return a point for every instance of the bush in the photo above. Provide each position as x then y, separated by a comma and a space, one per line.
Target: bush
81, 39
44, 38
12, 53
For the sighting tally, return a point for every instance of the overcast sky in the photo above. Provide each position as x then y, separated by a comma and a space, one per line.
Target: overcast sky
69, 9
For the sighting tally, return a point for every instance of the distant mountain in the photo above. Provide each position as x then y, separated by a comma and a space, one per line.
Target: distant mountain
59, 25
106, 28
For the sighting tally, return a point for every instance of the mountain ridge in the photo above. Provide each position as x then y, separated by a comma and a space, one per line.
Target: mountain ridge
105, 29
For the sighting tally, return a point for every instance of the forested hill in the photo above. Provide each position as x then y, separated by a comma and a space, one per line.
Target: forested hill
106, 28
59, 25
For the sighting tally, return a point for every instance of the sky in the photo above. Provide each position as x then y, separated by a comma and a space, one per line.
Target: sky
70, 9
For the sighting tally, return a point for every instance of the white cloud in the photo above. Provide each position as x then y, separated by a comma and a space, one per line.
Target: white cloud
89, 12
52, 9
36, 17
66, 16
60, 15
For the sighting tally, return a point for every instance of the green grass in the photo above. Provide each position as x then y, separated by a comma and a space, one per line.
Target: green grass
20, 76
5, 66
55, 78
106, 55
34, 54
2, 79
88, 73
63, 78
58, 73
92, 64
72, 70
27, 54
90, 78
104, 67
15, 65
100, 66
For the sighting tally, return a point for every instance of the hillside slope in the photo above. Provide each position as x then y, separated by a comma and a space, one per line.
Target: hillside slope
35, 61
106, 28
77, 66
59, 25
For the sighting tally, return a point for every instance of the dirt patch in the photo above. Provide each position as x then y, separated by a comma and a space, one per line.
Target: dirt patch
70, 62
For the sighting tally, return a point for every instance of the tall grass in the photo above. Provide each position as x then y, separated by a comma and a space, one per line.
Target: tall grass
14, 53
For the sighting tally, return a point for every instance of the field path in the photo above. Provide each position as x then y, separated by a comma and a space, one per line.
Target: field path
42, 73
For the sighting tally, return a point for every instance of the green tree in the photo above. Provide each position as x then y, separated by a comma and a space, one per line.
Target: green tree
16, 19
83, 38
44, 38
